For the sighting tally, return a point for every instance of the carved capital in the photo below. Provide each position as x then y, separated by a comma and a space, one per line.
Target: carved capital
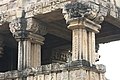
85, 9
18, 28
21, 27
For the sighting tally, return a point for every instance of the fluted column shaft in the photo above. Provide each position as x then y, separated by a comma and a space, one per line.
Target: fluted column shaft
29, 53
83, 39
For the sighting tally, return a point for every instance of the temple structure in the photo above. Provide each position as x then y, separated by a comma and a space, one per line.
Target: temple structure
55, 39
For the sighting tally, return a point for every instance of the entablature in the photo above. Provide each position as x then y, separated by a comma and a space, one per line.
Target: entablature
11, 9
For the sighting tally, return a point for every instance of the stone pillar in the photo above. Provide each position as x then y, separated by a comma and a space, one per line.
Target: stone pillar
84, 19
28, 33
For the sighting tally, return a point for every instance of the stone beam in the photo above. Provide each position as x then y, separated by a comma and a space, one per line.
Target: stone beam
113, 21
108, 38
59, 31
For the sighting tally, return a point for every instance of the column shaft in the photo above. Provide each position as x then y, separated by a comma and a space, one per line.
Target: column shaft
20, 55
80, 44
85, 44
29, 53
24, 52
36, 55
93, 48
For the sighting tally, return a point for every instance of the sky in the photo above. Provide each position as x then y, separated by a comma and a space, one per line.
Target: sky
110, 56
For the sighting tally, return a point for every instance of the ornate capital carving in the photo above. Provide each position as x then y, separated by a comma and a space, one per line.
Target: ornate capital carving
21, 27
85, 9
18, 26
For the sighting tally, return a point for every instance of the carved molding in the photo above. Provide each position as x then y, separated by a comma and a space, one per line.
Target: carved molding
61, 55
85, 9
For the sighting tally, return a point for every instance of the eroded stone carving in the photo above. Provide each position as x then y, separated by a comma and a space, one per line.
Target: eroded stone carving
60, 55
22, 26
85, 9
101, 68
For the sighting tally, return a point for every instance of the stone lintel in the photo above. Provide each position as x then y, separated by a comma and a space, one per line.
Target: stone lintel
84, 23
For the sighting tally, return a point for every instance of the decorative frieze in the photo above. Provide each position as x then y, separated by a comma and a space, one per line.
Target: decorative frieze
33, 8
42, 7
60, 55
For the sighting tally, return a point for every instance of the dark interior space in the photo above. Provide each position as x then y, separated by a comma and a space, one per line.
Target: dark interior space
8, 60
51, 42
108, 33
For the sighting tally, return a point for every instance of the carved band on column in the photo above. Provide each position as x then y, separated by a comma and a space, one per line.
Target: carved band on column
84, 18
